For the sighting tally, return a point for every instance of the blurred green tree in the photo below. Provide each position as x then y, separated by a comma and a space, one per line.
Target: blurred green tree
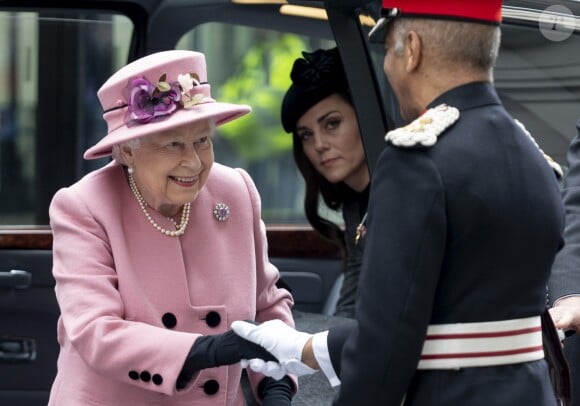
261, 81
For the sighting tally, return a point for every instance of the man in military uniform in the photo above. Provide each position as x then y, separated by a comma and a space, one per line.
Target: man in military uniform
464, 221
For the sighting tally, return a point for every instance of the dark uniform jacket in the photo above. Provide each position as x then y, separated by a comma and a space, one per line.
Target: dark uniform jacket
463, 231
353, 211
565, 279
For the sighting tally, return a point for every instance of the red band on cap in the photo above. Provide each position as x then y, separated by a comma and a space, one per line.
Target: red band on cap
484, 10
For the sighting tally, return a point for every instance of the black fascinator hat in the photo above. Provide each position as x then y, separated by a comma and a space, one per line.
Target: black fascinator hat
314, 77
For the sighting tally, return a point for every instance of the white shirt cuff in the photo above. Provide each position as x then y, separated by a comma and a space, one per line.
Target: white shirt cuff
320, 348
565, 297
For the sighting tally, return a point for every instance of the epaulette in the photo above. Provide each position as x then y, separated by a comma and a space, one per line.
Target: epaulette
425, 129
555, 166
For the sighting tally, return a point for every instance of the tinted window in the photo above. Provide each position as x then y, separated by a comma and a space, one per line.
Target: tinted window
50, 68
253, 67
538, 79
536, 76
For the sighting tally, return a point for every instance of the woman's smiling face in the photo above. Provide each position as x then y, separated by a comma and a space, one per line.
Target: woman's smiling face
171, 167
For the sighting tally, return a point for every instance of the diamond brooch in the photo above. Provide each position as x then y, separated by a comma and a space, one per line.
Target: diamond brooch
221, 211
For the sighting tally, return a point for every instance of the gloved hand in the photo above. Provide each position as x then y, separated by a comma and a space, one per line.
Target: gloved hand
281, 340
217, 350
276, 393
267, 368
278, 370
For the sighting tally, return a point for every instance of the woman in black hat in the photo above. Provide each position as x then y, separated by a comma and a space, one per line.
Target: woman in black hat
328, 150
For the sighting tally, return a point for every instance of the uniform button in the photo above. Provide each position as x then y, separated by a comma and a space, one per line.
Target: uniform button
157, 379
134, 375
211, 387
213, 319
169, 320
145, 376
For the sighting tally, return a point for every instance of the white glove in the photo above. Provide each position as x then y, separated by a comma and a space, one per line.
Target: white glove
281, 340
268, 368
298, 368
276, 370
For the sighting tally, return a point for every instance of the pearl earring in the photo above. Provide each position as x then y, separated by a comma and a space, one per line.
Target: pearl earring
130, 170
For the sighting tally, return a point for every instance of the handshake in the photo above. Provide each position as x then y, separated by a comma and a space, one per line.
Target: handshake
272, 348
282, 341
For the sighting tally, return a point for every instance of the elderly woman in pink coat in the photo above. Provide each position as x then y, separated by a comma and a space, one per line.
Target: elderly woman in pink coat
159, 251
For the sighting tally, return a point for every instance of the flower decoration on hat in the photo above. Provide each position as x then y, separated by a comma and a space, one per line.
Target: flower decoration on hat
148, 102
187, 82
315, 76
315, 67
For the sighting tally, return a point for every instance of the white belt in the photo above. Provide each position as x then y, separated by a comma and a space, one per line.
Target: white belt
461, 345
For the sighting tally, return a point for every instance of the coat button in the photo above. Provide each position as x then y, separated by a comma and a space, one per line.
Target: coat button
134, 375
157, 379
169, 320
211, 387
145, 376
213, 319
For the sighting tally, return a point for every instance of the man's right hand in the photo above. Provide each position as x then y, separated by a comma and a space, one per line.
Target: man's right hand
282, 341
566, 314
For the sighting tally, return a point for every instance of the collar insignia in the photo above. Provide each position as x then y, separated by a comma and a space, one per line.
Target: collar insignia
425, 129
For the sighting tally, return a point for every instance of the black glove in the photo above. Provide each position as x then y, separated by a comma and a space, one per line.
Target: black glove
217, 350
276, 393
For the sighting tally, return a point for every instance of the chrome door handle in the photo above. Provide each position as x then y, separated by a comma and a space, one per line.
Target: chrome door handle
15, 279
17, 349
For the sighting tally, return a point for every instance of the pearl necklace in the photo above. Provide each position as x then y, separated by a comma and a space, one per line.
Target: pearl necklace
180, 228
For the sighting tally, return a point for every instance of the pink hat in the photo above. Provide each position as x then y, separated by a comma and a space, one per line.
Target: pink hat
155, 93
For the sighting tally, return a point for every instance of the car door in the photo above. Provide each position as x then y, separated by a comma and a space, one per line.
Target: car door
54, 56
53, 60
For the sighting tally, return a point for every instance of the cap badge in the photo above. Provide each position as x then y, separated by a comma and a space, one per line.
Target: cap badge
425, 129
221, 211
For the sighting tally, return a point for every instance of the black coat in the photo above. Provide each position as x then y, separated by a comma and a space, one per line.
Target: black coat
353, 211
565, 279
463, 231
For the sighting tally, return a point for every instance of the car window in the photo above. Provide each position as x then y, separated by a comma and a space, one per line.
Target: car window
538, 80
537, 76
42, 103
254, 69
36, 91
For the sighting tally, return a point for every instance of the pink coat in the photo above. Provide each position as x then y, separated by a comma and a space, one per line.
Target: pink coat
133, 301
